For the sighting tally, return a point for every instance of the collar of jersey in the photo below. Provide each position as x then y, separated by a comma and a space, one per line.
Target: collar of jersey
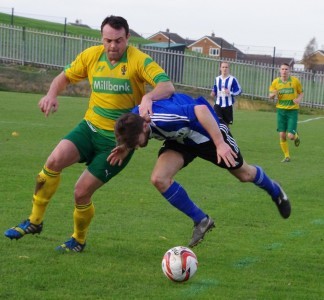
288, 80
123, 59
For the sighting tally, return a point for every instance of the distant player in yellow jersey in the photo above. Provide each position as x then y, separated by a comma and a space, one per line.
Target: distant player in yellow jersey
117, 74
289, 93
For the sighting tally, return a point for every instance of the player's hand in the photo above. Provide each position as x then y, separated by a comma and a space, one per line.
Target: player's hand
117, 155
273, 94
226, 153
146, 106
48, 105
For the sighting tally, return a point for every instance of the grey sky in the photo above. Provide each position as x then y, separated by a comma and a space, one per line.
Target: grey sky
252, 25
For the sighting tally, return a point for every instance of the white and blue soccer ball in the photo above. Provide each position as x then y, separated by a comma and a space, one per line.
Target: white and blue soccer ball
179, 264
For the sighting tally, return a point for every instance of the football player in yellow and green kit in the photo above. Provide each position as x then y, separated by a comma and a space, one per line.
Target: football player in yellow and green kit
289, 93
117, 74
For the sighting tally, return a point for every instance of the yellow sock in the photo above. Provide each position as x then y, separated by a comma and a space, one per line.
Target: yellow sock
285, 148
47, 182
82, 215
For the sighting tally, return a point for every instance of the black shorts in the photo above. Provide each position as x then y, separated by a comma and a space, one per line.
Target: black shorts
206, 151
224, 113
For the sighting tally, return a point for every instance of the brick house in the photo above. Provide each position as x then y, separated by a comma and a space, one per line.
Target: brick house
216, 47
314, 61
168, 37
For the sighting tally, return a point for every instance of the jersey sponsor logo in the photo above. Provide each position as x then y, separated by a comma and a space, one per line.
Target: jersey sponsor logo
286, 91
111, 85
286, 102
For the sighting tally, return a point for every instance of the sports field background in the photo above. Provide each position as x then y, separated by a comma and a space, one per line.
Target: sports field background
252, 253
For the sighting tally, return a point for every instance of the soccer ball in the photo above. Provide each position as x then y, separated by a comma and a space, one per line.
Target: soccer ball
179, 264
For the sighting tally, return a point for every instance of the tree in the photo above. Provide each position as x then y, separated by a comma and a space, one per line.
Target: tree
309, 60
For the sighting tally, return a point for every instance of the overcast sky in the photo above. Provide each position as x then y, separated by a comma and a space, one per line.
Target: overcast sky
254, 26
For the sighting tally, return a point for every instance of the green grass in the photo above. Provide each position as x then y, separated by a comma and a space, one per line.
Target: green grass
252, 254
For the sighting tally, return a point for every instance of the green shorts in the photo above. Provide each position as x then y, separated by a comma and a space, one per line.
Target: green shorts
94, 149
287, 120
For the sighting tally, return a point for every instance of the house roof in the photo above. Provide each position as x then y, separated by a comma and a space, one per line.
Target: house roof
320, 52
189, 41
220, 42
317, 65
134, 33
268, 59
174, 37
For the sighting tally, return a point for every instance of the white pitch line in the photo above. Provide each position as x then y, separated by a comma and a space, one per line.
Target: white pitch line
309, 120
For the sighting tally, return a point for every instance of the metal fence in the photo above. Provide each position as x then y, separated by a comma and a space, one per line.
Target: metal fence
189, 69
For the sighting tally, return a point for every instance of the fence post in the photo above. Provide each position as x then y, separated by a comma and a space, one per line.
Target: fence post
12, 16
273, 62
196, 66
64, 42
23, 56
81, 42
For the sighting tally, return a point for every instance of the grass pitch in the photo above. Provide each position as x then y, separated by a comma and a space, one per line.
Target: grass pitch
252, 253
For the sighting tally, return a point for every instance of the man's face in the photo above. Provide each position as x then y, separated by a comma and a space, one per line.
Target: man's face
115, 42
224, 69
284, 71
143, 137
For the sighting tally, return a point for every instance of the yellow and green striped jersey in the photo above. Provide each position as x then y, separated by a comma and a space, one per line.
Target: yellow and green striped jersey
287, 92
115, 89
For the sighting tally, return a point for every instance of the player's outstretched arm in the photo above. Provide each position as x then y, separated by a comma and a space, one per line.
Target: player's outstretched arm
49, 103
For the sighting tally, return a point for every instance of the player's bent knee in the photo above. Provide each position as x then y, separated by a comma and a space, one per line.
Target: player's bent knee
81, 195
160, 183
54, 163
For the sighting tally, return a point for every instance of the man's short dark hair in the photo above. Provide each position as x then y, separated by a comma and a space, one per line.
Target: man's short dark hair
128, 127
115, 22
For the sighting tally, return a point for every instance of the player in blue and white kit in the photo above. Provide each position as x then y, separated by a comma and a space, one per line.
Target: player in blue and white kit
225, 88
190, 129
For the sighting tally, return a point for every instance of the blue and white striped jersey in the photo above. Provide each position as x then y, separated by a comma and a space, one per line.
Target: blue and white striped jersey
175, 119
229, 83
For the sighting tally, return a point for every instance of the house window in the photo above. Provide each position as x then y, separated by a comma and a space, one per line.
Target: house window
197, 49
214, 51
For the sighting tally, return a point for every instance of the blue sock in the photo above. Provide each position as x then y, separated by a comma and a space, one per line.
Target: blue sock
264, 182
178, 197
